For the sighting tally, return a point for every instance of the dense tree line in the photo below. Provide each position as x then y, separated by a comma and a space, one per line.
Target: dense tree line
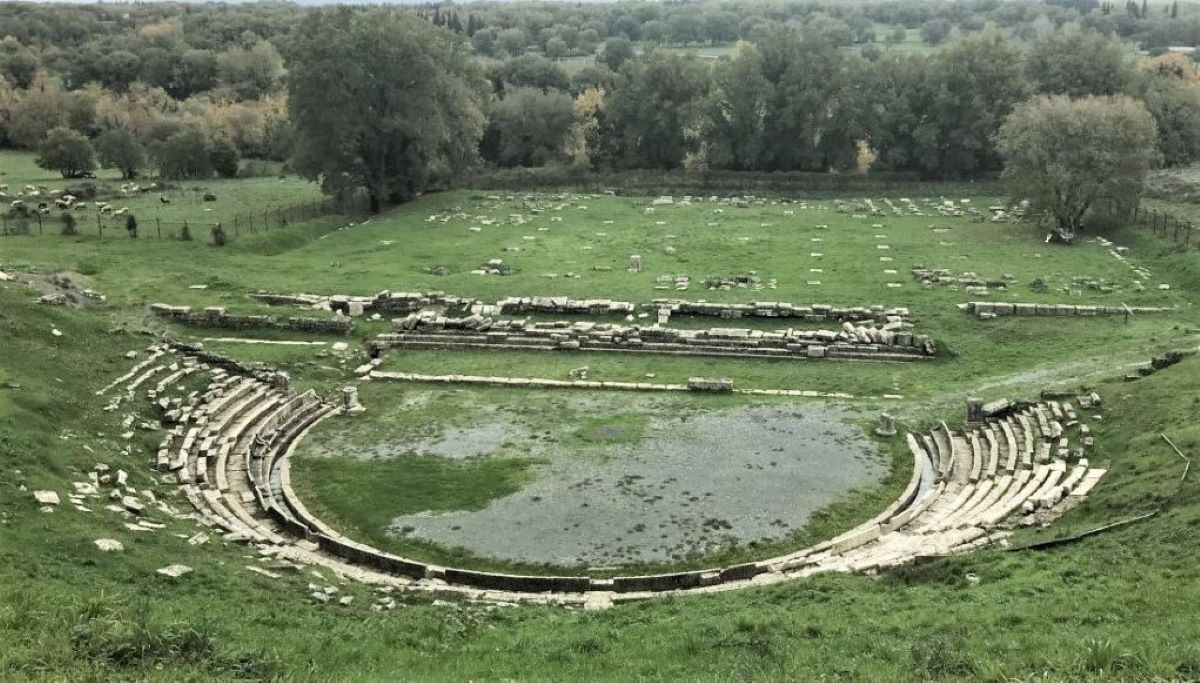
186, 90
794, 101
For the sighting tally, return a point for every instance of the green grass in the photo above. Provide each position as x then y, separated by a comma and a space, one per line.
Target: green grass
244, 198
1121, 602
1115, 606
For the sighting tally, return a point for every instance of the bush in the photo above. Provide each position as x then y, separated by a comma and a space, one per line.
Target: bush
66, 151
131, 225
68, 225
185, 155
185, 234
225, 158
218, 235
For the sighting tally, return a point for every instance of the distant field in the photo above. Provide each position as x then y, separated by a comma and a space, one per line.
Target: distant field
240, 197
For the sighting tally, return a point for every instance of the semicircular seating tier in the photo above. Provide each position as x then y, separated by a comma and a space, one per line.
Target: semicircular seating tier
230, 431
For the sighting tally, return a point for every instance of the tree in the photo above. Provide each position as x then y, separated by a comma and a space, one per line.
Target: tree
1067, 156
529, 70
593, 76
684, 28
18, 64
815, 115
721, 27
251, 71
1077, 63
656, 32
1173, 99
66, 151
512, 41
381, 101
935, 31
224, 156
532, 127
556, 48
654, 109
736, 111
617, 51
957, 102
119, 149
185, 155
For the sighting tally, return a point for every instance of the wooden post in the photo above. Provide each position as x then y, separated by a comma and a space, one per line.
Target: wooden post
40, 223
158, 226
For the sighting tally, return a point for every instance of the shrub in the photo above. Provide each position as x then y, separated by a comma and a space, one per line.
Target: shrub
225, 158
68, 225
66, 151
218, 235
185, 234
131, 225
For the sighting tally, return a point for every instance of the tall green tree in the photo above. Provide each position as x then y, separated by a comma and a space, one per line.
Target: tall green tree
531, 127
119, 149
974, 84
184, 154
66, 151
1068, 156
654, 110
735, 113
1077, 63
382, 101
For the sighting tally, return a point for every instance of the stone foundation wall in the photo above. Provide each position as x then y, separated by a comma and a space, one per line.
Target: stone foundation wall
776, 309
476, 331
217, 317
990, 309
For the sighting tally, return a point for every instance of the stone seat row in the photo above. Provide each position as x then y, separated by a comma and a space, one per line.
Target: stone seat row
231, 454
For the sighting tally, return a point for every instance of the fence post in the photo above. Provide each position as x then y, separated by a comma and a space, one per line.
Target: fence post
158, 226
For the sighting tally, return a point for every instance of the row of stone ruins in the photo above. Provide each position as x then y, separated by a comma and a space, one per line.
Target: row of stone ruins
229, 433
388, 302
216, 316
427, 329
988, 309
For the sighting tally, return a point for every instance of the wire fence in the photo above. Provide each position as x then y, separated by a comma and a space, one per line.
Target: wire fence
1167, 226
240, 224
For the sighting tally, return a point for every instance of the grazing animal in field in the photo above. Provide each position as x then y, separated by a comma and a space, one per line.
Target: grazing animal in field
81, 206
163, 199
121, 211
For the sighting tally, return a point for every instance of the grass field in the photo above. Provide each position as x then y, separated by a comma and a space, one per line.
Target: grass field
241, 197
1116, 606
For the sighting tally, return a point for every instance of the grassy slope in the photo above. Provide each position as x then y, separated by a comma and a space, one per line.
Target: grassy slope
1122, 603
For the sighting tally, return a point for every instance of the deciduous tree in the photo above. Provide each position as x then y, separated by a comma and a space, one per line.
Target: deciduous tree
1069, 156
380, 100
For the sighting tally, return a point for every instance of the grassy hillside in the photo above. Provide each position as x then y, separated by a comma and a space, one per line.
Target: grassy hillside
1119, 605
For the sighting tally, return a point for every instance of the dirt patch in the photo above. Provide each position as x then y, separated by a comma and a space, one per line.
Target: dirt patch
66, 288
